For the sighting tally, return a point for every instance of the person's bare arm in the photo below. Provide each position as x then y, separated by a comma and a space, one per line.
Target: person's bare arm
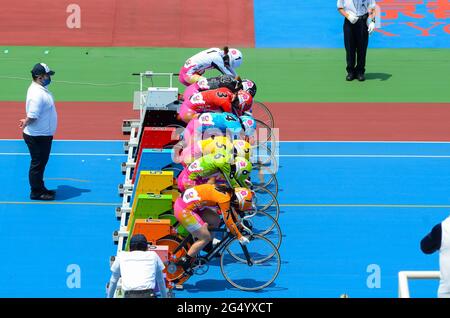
372, 13
342, 12
25, 122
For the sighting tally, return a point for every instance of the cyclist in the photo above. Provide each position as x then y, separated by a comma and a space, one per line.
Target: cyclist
213, 145
221, 100
227, 81
199, 207
219, 124
224, 60
212, 168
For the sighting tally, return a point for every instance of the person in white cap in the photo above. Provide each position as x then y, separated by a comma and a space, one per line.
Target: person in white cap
439, 240
224, 60
38, 129
359, 23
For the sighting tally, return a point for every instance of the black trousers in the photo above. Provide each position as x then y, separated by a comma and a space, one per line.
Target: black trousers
39, 147
356, 39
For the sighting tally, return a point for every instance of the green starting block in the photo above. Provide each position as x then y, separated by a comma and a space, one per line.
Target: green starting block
149, 206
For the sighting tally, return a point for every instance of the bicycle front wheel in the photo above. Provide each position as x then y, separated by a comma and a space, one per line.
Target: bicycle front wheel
265, 225
258, 271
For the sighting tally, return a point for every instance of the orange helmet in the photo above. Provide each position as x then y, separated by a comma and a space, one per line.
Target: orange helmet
244, 198
245, 101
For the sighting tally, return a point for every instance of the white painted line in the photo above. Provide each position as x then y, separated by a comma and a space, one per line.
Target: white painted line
365, 141
65, 154
407, 206
365, 156
92, 140
282, 141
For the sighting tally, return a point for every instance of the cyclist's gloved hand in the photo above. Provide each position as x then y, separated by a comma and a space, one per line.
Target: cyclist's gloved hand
243, 240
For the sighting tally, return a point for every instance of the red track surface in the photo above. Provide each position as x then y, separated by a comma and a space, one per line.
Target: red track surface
161, 23
362, 121
76, 120
297, 121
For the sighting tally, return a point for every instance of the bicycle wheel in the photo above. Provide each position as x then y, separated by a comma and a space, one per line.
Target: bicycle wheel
271, 184
263, 155
255, 276
178, 274
178, 131
264, 132
262, 113
266, 201
176, 171
261, 176
265, 225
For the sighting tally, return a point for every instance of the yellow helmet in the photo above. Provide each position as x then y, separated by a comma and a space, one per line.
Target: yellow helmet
242, 148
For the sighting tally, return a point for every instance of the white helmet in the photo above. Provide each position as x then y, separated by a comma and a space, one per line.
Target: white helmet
235, 57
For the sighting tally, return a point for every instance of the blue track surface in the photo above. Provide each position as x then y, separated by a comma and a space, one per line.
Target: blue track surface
318, 24
344, 207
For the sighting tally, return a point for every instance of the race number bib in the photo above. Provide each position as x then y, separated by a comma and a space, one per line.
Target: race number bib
195, 166
191, 195
206, 120
197, 99
203, 84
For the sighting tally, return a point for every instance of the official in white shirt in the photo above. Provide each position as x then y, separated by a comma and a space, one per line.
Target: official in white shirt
38, 129
359, 23
439, 240
140, 270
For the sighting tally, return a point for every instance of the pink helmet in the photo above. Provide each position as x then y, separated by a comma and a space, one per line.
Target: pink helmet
245, 101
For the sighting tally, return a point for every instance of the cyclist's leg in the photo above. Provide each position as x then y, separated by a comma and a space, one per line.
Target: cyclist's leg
193, 223
190, 90
186, 112
183, 76
184, 182
211, 217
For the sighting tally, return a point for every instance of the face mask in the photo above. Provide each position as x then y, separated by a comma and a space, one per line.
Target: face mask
46, 81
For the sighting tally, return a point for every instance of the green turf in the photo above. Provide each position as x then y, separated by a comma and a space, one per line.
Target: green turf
282, 75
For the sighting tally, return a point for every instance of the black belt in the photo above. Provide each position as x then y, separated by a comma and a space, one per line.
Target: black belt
363, 16
139, 292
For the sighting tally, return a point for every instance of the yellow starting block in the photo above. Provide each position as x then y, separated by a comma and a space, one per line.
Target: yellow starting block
153, 182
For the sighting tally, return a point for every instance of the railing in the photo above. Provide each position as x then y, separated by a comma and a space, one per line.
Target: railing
403, 276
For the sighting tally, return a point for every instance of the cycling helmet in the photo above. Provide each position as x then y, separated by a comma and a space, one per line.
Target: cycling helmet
242, 148
235, 57
244, 198
244, 103
243, 168
249, 124
249, 86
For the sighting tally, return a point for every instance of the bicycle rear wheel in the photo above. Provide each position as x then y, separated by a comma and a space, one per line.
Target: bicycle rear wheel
255, 276
177, 275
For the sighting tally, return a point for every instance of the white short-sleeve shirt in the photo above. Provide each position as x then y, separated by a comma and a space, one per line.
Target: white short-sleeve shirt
140, 270
444, 260
40, 105
357, 7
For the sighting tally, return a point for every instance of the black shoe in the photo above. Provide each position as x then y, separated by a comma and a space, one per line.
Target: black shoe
350, 77
361, 77
44, 197
52, 192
